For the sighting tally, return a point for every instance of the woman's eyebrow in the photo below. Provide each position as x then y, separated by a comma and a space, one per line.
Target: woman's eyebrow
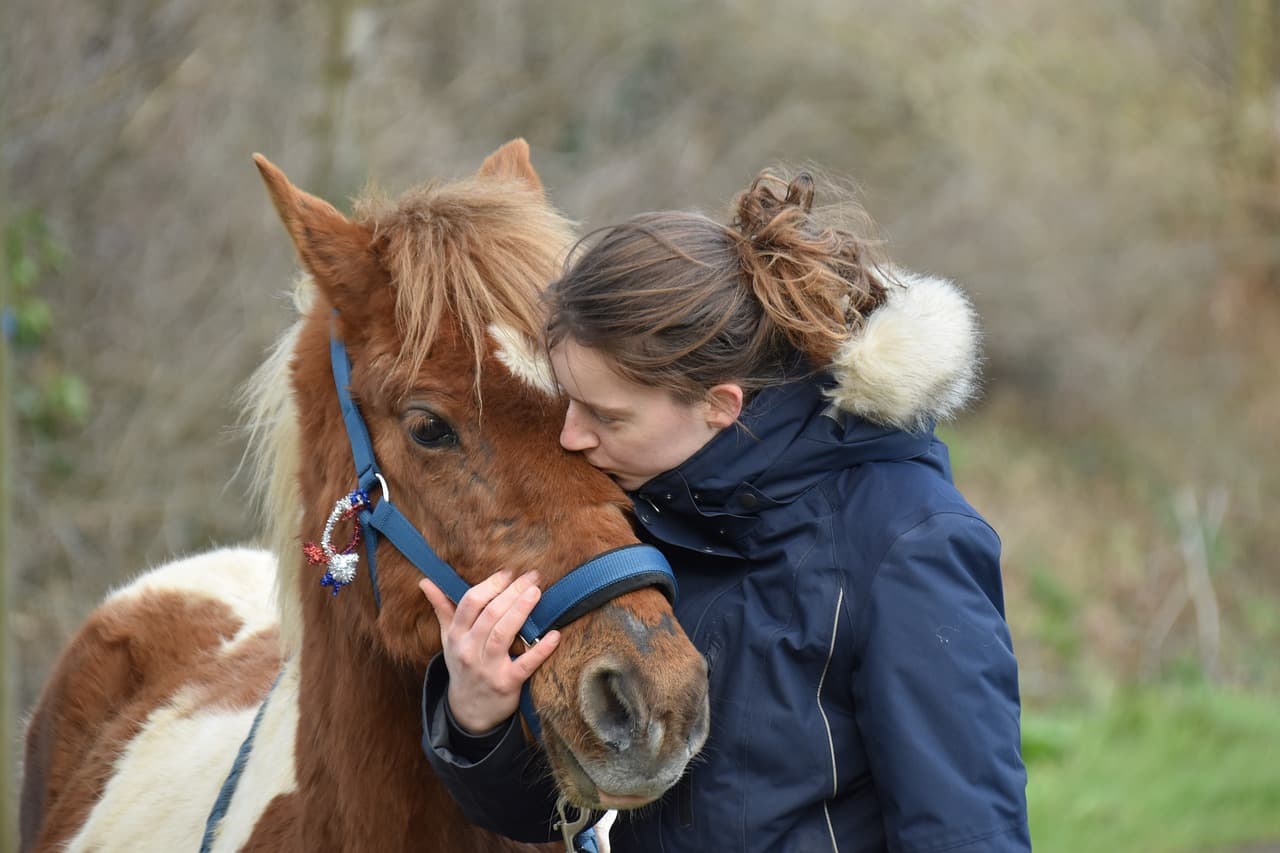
604, 410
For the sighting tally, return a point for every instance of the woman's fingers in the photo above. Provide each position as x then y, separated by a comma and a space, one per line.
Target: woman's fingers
439, 602
489, 617
484, 624
477, 598
525, 664
484, 681
509, 622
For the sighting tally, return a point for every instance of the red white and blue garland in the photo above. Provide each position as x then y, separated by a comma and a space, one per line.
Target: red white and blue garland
341, 564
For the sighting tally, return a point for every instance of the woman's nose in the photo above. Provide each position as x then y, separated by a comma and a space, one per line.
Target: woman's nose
572, 435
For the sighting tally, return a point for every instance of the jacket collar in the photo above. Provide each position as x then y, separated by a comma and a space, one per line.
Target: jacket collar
789, 437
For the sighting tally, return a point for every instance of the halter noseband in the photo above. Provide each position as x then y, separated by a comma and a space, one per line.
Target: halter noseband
587, 587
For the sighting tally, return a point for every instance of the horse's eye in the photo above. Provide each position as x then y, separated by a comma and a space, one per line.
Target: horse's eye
429, 429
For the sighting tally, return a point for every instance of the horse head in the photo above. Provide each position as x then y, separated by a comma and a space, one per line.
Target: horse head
436, 298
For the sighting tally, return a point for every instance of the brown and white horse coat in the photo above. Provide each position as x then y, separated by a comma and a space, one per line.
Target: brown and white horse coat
156, 692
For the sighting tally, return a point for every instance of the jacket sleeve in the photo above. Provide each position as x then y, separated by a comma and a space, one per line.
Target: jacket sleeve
499, 781
936, 693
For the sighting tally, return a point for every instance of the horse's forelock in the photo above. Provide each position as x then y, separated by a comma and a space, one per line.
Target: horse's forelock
479, 251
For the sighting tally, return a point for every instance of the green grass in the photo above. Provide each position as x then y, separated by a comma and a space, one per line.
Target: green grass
1156, 770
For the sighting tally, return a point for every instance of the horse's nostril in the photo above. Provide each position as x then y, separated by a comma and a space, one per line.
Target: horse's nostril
612, 706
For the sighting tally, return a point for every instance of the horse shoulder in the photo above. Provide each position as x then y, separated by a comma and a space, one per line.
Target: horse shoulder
263, 813
122, 674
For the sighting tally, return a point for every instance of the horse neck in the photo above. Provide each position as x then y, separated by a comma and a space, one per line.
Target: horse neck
363, 780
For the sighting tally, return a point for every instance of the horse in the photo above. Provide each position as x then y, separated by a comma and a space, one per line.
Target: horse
436, 299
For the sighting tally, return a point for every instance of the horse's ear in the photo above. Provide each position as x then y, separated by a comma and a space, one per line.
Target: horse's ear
336, 251
512, 161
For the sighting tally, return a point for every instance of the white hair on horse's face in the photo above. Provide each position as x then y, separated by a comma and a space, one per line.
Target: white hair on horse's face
523, 358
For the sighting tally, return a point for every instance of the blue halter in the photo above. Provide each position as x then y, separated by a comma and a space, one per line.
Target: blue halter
604, 577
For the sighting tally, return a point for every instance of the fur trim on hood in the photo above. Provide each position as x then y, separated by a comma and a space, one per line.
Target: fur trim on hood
916, 358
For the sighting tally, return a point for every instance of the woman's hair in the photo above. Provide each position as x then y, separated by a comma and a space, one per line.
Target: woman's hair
681, 302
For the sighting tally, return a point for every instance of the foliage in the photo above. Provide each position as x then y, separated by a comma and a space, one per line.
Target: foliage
48, 399
1171, 768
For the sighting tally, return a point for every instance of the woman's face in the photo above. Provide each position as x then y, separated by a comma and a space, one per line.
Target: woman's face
631, 432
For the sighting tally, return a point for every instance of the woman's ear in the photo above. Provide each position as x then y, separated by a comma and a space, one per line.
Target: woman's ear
724, 404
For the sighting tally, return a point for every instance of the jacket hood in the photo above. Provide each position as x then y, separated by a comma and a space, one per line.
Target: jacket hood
915, 360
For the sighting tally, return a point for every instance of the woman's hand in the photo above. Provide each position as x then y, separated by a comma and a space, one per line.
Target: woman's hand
484, 680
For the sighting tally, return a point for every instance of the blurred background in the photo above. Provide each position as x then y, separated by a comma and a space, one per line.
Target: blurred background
1103, 177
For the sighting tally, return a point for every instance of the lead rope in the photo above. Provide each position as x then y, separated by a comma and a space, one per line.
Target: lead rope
569, 829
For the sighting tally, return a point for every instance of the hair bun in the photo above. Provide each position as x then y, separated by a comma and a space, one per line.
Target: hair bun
812, 276
761, 204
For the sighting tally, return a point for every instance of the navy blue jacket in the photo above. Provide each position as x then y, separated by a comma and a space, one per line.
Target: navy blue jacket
848, 600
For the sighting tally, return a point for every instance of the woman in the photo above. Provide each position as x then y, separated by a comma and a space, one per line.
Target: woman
766, 395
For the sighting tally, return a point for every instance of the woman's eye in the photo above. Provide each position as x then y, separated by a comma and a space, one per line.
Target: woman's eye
431, 430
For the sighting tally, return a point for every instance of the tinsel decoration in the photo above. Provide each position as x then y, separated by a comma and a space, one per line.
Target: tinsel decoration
341, 564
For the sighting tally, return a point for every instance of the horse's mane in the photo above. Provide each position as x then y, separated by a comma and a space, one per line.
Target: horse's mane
270, 416
480, 250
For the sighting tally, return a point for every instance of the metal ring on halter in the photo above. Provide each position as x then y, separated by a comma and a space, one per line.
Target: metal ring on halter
386, 493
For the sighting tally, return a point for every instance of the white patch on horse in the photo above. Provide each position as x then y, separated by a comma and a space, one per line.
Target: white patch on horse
522, 357
240, 578
185, 749
271, 769
165, 782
